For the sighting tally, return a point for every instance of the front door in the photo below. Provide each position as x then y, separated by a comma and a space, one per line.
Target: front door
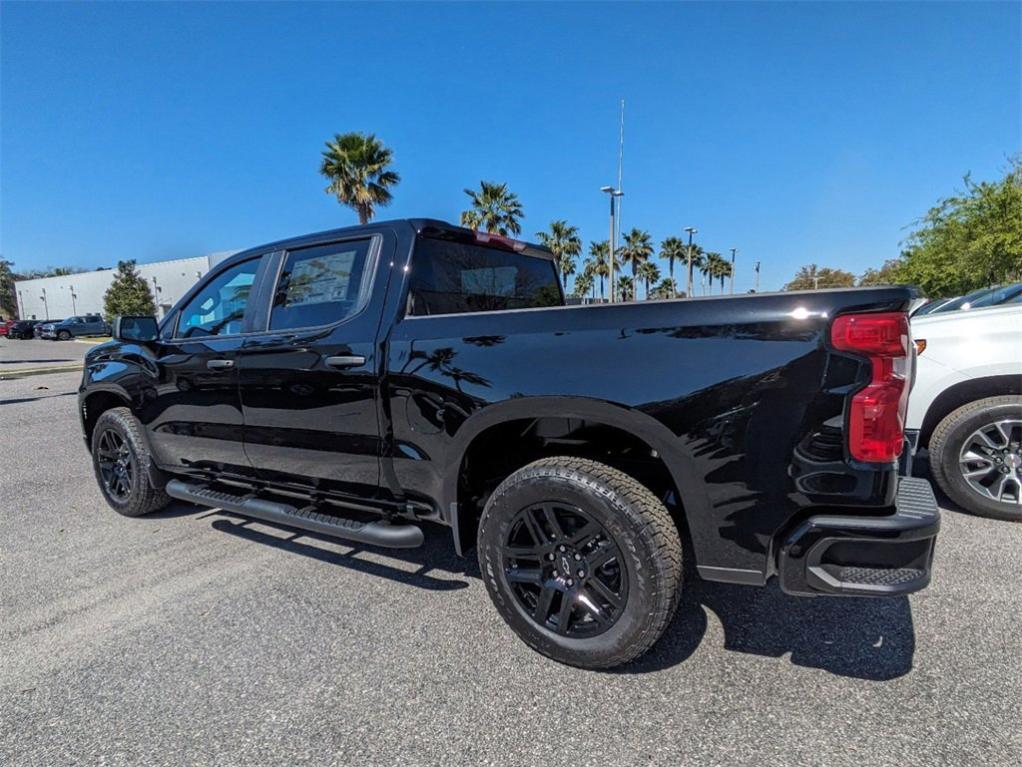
308, 383
193, 412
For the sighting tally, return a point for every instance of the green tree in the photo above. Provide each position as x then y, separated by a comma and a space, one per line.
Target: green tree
969, 240
599, 254
356, 165
128, 293
888, 274
495, 209
721, 270
583, 284
649, 273
673, 249
564, 242
697, 264
638, 248
666, 289
709, 269
8, 298
811, 277
625, 288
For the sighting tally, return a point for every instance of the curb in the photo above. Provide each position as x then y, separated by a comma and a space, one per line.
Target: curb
10, 375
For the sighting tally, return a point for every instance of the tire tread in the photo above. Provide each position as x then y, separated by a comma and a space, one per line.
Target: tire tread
650, 520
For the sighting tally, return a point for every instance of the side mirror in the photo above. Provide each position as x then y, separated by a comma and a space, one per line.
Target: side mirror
136, 329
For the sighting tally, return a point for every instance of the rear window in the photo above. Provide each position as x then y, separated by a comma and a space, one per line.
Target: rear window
453, 277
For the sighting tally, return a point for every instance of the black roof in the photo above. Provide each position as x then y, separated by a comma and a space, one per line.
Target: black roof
430, 227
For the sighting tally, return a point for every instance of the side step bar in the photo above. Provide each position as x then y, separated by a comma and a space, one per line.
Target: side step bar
377, 533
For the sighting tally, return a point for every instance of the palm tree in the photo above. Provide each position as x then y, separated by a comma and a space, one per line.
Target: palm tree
583, 284
698, 257
673, 248
600, 257
638, 248
625, 287
712, 268
666, 289
649, 272
723, 272
356, 165
495, 209
565, 244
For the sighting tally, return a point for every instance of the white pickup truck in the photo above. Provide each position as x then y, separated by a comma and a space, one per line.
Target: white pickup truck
966, 406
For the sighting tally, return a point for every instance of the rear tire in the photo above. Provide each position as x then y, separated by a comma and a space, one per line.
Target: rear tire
619, 584
946, 452
121, 461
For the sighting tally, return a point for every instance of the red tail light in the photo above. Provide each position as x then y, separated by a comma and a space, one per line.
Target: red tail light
876, 422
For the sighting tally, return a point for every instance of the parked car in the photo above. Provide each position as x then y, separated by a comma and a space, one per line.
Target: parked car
364, 382
5, 326
38, 330
22, 329
966, 406
992, 296
929, 306
78, 326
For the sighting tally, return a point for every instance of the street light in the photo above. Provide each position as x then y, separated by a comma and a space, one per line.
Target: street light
610, 243
691, 230
733, 251
46, 306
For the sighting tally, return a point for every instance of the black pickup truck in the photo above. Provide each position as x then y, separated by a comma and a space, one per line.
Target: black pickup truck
364, 381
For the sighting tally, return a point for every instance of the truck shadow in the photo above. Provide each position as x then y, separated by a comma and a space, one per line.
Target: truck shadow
871, 639
423, 567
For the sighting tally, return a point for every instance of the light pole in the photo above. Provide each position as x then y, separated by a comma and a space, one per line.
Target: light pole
757, 276
74, 306
691, 230
46, 306
733, 251
21, 305
613, 193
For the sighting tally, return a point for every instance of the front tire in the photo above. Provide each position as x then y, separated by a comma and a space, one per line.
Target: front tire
581, 560
64, 335
120, 459
976, 457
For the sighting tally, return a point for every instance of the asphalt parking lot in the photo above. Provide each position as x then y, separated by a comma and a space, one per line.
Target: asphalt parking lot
193, 637
17, 356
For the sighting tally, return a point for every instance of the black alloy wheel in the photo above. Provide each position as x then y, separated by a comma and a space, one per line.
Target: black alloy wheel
581, 560
117, 465
565, 570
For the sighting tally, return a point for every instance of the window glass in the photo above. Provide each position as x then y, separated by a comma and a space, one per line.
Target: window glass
219, 307
320, 285
451, 277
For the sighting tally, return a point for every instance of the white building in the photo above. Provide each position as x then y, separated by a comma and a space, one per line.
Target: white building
59, 297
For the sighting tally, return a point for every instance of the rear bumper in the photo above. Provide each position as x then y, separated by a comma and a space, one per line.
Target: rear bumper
860, 555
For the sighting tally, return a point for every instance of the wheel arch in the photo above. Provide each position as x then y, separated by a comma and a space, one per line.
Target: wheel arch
489, 421
963, 393
97, 402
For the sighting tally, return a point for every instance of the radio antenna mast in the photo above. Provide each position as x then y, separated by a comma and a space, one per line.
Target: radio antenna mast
620, 169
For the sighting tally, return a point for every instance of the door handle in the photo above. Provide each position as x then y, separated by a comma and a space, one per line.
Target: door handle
220, 364
346, 361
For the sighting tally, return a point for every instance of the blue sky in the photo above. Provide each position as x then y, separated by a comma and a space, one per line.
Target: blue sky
795, 132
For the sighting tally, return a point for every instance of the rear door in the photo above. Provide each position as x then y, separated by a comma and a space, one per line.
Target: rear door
308, 381
193, 412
